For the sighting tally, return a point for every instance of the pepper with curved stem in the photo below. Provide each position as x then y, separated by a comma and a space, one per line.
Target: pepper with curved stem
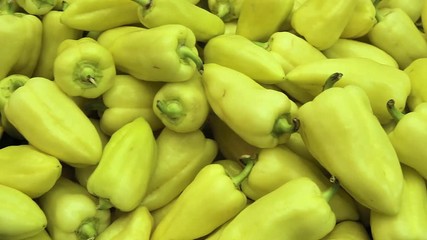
394, 112
187, 53
88, 229
330, 82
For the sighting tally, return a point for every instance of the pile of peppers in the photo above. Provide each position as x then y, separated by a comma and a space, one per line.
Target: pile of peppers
213, 119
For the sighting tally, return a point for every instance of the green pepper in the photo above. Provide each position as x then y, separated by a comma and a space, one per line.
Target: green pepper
136, 224
278, 165
241, 54
83, 67
54, 32
28, 170
94, 15
63, 130
72, 212
330, 16
37, 7
210, 200
236, 99
380, 82
259, 19
398, 35
361, 20
297, 209
410, 221
182, 106
180, 157
155, 13
342, 133
227, 10
348, 230
19, 56
417, 71
166, 53
126, 100
123, 184
20, 216
407, 135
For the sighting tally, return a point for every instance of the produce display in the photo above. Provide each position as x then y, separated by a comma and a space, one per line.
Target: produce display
213, 119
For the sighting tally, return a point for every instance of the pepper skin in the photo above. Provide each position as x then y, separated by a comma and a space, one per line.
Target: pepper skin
83, 67
380, 82
182, 106
37, 7
342, 133
413, 10
259, 19
165, 53
236, 99
361, 20
128, 99
54, 32
210, 200
155, 13
43, 235
348, 230
72, 212
124, 184
94, 15
241, 54
63, 130
417, 71
329, 18
410, 222
180, 157
28, 170
398, 35
296, 210
20, 216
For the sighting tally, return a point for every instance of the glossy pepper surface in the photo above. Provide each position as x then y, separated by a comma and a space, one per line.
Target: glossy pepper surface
236, 98
124, 184
63, 130
331, 127
417, 71
361, 21
165, 53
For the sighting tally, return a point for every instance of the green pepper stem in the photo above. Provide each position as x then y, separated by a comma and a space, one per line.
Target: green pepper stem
330, 82
104, 204
186, 52
282, 126
249, 164
222, 9
331, 191
8, 6
9, 85
173, 109
376, 2
394, 112
88, 74
88, 229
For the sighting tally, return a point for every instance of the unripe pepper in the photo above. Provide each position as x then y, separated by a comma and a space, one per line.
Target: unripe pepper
236, 99
128, 99
54, 32
227, 10
411, 221
180, 157
123, 184
20, 216
259, 19
182, 106
28, 170
94, 15
239, 53
165, 53
296, 210
210, 200
348, 230
37, 7
406, 135
417, 71
63, 130
361, 20
83, 67
398, 35
342, 133
155, 13
72, 212
330, 18
379, 81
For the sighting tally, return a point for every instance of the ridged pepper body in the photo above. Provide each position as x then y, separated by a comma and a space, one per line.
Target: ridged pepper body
417, 71
361, 20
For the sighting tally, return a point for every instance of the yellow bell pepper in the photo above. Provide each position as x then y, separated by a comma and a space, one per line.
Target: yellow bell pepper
43, 235
348, 230
417, 71
413, 10
361, 20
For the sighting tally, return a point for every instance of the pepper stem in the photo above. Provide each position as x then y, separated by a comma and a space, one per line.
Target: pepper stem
330, 192
249, 164
394, 112
8, 85
222, 9
88, 230
8, 6
104, 204
187, 53
330, 82
173, 109
282, 126
87, 74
